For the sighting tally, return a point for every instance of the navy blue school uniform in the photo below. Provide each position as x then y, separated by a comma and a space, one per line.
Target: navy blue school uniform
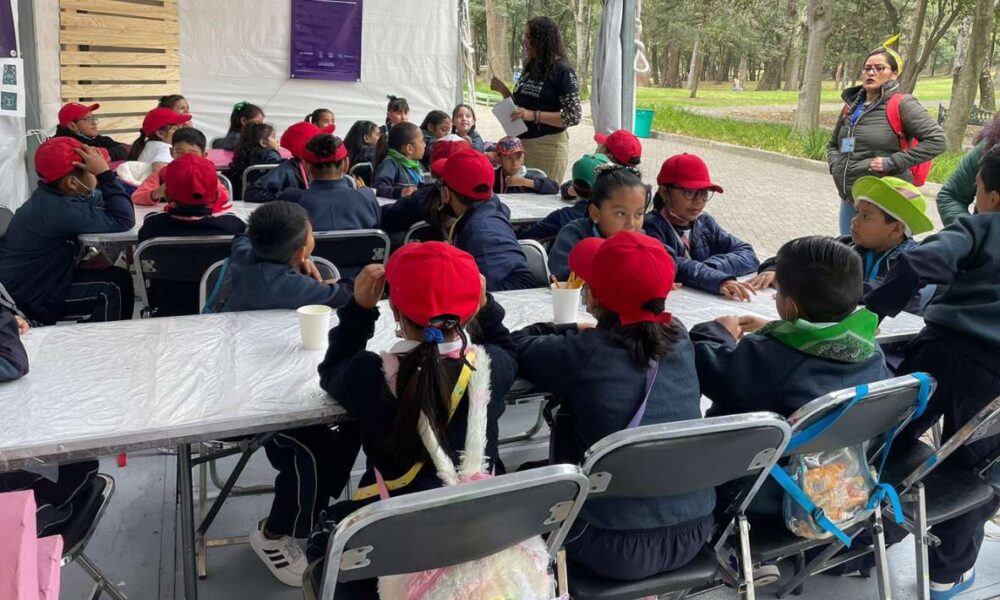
760, 373
174, 298
266, 156
600, 385
711, 255
38, 254
542, 184
313, 463
477, 141
552, 224
485, 232
568, 237
287, 175
406, 212
229, 142
13, 357
333, 205
960, 348
262, 285
390, 179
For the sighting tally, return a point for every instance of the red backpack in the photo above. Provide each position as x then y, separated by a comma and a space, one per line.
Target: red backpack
919, 172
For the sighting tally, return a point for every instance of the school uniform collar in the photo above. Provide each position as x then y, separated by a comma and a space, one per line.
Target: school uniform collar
329, 184
407, 346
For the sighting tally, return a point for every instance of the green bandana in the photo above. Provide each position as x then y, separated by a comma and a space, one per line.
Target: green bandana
851, 340
406, 163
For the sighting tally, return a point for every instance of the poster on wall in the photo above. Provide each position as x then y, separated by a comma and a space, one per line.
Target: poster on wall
12, 87
8, 37
326, 40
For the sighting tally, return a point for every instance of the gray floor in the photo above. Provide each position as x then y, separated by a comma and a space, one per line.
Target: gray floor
135, 545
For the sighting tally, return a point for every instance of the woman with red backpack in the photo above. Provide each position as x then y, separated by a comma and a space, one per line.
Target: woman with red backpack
879, 130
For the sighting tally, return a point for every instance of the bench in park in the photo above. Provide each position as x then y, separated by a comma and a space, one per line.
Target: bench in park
978, 116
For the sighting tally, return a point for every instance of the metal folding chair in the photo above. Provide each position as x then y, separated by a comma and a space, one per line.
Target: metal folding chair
364, 170
538, 261
887, 407
678, 458
253, 169
417, 532
226, 183
178, 259
87, 512
352, 250
419, 232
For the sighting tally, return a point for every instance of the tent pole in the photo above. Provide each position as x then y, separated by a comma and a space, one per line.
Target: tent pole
628, 64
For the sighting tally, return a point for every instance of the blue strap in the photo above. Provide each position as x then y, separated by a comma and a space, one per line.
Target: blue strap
884, 490
923, 394
856, 115
207, 309
809, 433
803, 500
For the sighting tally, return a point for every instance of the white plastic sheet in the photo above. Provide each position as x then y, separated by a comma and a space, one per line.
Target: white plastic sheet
606, 100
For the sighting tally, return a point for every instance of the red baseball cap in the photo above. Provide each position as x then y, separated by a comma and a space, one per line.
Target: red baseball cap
623, 146
433, 280
338, 155
74, 111
192, 180
444, 148
468, 173
625, 272
687, 171
509, 145
158, 118
54, 159
295, 138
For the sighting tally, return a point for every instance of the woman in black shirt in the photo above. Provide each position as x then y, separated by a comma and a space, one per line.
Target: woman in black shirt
547, 98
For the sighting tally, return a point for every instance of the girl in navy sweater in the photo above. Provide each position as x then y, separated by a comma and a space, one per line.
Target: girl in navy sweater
636, 367
399, 170
258, 146
243, 114
434, 373
463, 120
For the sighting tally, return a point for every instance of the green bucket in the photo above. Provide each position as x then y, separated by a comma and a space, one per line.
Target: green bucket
643, 122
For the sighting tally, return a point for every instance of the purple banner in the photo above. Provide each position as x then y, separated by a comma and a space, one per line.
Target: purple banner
8, 39
326, 40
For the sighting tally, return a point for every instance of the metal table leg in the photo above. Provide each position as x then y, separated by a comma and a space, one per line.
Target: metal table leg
186, 506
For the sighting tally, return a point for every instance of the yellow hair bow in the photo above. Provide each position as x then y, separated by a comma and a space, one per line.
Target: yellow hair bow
892, 41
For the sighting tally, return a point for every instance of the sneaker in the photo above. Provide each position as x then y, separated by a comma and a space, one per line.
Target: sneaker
945, 591
282, 556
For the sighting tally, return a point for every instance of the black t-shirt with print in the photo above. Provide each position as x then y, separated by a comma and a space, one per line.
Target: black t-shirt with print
551, 94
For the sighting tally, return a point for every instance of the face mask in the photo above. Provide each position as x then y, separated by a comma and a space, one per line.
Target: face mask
90, 195
522, 172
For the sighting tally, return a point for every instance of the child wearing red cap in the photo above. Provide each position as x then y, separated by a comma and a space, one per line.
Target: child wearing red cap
435, 372
617, 203
79, 122
291, 173
708, 257
77, 193
620, 146
194, 208
467, 214
512, 177
399, 170
186, 140
636, 367
153, 143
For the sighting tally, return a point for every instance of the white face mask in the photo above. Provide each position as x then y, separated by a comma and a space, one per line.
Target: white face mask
522, 172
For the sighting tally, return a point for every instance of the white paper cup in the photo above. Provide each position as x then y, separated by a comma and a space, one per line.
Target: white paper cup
565, 303
314, 323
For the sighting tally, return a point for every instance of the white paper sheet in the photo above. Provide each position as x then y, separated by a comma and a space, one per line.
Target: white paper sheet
511, 127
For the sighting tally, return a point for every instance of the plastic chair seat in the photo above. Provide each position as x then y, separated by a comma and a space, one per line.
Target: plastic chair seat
586, 585
85, 508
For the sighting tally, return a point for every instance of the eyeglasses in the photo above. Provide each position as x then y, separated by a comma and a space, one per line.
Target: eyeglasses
692, 195
875, 69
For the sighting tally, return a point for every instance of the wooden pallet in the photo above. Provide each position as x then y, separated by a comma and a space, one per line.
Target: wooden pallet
123, 54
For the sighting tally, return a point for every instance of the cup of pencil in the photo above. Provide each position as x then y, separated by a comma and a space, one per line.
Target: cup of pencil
566, 299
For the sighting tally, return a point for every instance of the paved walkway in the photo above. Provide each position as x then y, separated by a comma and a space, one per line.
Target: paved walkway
766, 203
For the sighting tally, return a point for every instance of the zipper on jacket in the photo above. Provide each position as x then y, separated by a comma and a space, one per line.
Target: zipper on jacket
850, 132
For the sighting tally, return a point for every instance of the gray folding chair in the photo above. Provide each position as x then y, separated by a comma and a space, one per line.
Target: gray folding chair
352, 250
933, 491
419, 531
6, 215
419, 232
213, 290
671, 459
888, 406
254, 169
179, 259
364, 170
88, 508
538, 261
226, 183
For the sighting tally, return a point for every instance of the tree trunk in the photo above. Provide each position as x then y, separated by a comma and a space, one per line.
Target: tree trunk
581, 31
794, 60
694, 73
987, 97
838, 77
497, 48
672, 69
587, 44
741, 72
911, 53
771, 78
819, 20
968, 78
726, 67
961, 53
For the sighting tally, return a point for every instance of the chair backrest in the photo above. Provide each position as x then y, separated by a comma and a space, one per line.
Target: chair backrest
888, 404
538, 261
210, 286
419, 232
352, 250
178, 259
536, 173
985, 424
217, 143
226, 183
6, 215
364, 170
254, 169
454, 524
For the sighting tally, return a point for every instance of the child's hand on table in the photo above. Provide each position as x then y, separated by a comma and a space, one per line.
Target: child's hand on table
750, 323
308, 267
737, 290
732, 325
369, 285
515, 181
762, 280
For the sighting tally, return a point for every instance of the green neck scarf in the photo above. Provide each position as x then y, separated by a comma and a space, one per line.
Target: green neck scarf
851, 340
406, 163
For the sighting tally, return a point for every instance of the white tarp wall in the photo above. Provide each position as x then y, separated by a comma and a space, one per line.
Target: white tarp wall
606, 100
13, 145
234, 50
